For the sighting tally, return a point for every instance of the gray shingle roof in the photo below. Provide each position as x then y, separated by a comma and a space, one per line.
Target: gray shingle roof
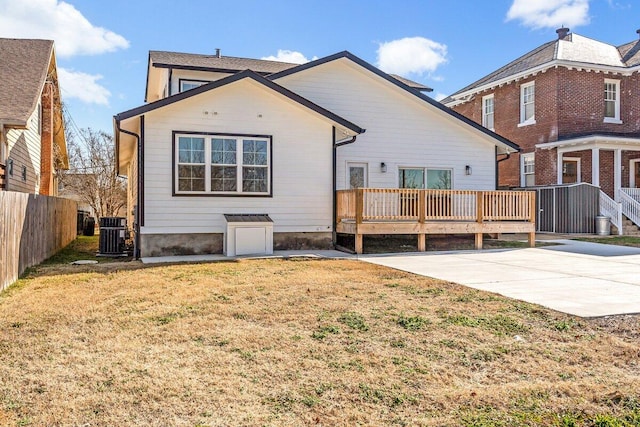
213, 62
24, 65
572, 48
234, 64
630, 53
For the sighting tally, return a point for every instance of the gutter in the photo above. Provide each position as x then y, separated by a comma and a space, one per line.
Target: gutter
136, 226
337, 144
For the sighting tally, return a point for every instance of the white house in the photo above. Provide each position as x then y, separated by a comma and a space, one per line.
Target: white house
268, 144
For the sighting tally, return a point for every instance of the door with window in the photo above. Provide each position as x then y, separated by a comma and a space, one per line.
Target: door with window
357, 175
570, 170
634, 171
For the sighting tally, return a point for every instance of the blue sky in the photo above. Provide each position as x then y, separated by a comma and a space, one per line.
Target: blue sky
102, 46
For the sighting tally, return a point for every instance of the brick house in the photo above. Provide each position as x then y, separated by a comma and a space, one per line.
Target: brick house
32, 140
572, 105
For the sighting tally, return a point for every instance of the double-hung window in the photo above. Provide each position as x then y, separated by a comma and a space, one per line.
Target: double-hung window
528, 104
487, 112
528, 168
612, 101
213, 164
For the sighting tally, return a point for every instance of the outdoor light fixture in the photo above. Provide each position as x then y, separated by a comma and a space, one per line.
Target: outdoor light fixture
467, 170
383, 167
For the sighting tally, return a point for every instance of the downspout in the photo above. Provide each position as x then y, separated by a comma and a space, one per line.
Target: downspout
508, 155
337, 144
136, 229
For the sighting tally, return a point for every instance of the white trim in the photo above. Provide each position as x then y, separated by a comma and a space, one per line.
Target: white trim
599, 141
624, 71
617, 172
578, 161
595, 166
632, 175
616, 85
484, 111
357, 165
523, 174
524, 120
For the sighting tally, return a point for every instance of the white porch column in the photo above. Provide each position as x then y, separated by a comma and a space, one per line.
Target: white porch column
559, 165
617, 172
595, 166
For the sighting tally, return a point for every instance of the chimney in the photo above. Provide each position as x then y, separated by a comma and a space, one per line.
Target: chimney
638, 32
217, 53
562, 32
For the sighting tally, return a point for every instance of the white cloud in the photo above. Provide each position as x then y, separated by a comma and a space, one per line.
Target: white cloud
550, 13
289, 56
59, 21
411, 55
439, 96
82, 86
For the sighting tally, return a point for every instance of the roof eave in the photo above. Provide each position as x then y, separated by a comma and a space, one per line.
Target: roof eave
459, 98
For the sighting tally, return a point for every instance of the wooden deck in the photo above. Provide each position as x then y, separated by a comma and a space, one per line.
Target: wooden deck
422, 212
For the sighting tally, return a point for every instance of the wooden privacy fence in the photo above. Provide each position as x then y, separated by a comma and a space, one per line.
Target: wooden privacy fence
408, 211
32, 228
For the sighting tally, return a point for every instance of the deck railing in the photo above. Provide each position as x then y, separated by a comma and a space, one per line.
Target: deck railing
3, 177
612, 209
630, 207
400, 204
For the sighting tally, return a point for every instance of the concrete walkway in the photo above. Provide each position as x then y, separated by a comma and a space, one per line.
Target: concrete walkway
584, 279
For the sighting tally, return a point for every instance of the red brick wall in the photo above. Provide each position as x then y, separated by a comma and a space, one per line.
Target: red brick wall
46, 154
568, 103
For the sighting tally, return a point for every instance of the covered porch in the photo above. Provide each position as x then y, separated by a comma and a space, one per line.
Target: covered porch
421, 212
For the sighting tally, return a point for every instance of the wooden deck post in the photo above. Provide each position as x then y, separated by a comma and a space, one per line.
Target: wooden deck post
422, 237
359, 214
479, 216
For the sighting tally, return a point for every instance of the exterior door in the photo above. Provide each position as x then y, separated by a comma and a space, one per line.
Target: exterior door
357, 175
570, 170
634, 171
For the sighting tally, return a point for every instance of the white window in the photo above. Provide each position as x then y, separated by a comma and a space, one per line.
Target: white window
425, 178
191, 84
487, 112
612, 101
357, 175
528, 168
528, 104
222, 164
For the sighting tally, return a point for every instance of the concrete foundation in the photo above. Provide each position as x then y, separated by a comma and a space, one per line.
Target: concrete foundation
154, 245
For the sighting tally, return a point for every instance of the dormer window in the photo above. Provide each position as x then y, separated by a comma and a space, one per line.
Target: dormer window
528, 104
612, 101
191, 84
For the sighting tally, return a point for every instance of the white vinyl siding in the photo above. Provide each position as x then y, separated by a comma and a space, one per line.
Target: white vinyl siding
301, 199
528, 104
24, 146
612, 101
487, 112
402, 130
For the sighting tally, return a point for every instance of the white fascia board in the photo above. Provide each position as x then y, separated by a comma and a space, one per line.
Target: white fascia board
594, 141
607, 69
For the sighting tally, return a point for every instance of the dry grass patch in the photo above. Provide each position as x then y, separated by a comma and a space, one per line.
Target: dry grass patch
285, 342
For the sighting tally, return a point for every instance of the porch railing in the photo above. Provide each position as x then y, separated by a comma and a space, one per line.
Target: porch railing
634, 193
3, 177
400, 204
612, 209
630, 205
